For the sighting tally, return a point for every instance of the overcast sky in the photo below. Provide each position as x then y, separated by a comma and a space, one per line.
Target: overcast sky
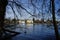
25, 15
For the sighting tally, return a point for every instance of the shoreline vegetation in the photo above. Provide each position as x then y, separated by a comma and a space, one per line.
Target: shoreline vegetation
14, 21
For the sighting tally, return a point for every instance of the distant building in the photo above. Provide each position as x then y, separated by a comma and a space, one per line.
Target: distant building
26, 21
29, 21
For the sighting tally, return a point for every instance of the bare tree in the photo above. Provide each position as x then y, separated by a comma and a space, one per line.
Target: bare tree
54, 20
2, 15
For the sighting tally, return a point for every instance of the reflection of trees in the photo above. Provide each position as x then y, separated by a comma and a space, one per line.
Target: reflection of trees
33, 28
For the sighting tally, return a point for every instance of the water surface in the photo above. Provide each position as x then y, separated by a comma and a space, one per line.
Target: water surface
34, 32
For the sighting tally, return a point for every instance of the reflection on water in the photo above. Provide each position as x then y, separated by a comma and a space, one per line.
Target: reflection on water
31, 28
34, 32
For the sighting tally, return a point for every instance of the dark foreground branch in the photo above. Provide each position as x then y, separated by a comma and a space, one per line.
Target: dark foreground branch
6, 30
8, 35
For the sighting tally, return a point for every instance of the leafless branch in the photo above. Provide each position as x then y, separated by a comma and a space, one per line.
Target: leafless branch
21, 7
13, 11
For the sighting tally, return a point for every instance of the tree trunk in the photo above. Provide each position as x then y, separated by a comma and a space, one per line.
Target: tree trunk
3, 4
54, 20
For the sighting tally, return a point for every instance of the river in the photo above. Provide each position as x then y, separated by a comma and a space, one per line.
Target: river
34, 32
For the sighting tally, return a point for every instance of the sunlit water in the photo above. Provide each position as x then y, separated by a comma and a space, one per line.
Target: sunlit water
34, 32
